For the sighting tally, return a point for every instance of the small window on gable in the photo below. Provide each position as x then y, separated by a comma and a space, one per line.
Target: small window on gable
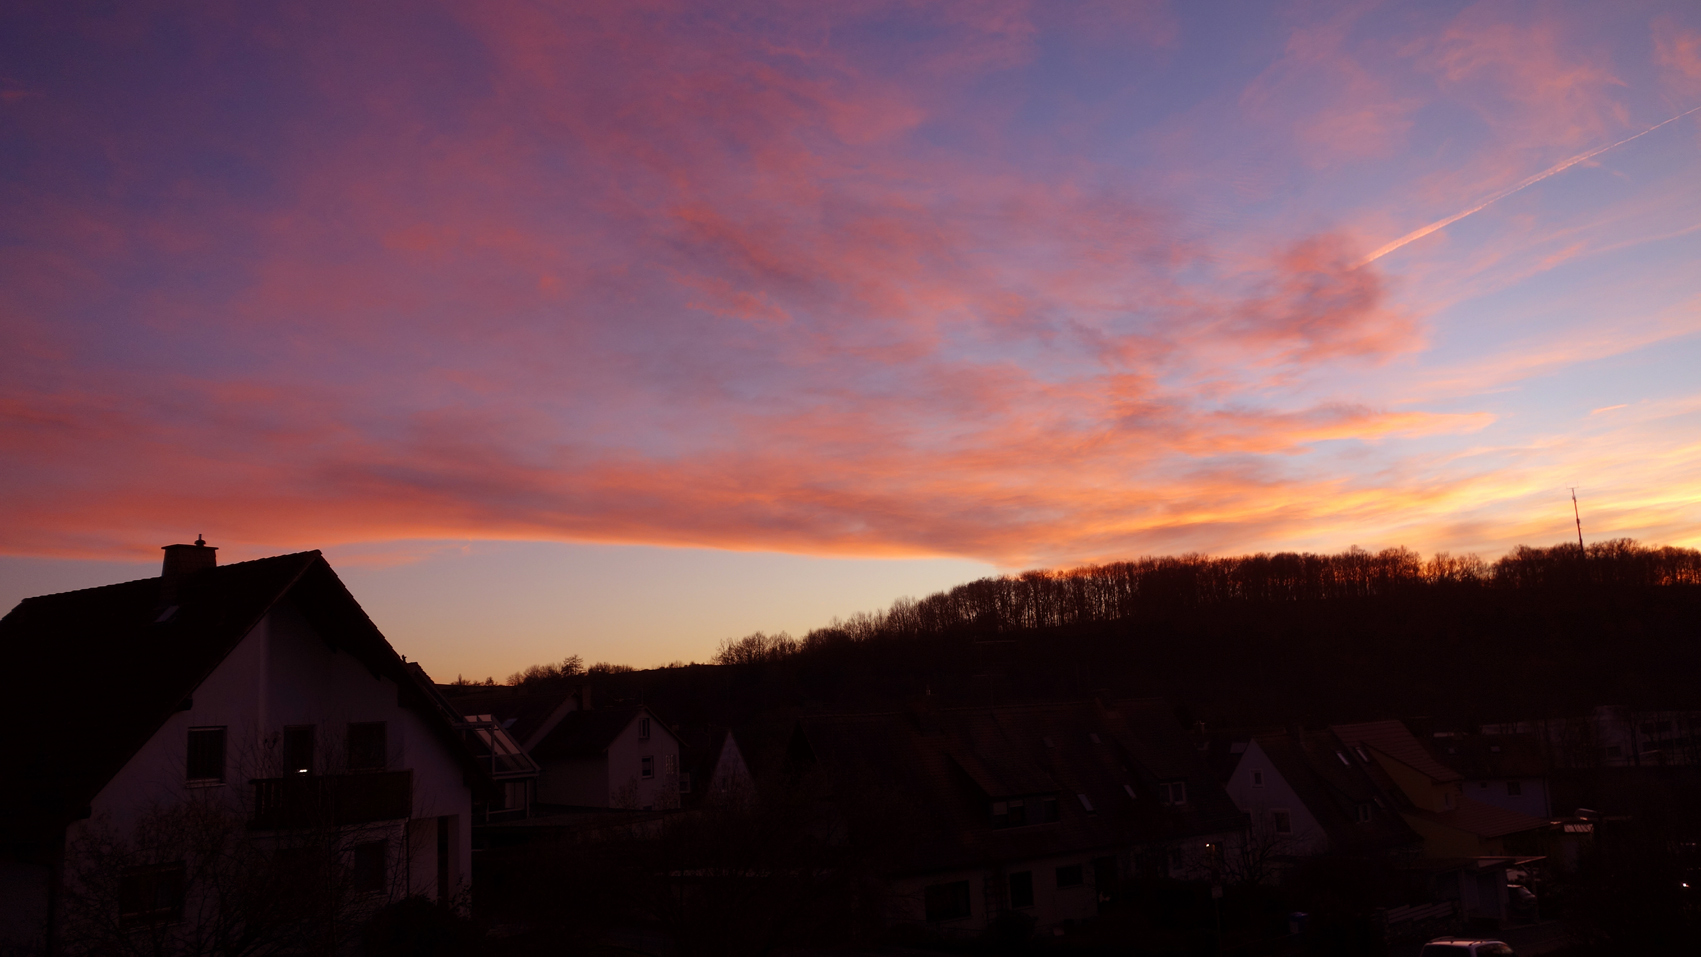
1282, 821
685, 782
368, 746
647, 767
1258, 779
1048, 809
643, 729
206, 756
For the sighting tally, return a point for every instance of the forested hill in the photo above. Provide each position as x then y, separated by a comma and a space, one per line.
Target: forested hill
1256, 639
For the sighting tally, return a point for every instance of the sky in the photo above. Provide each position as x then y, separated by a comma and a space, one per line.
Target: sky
619, 329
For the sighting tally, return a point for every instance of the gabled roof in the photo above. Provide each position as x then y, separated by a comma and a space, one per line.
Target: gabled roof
1483, 820
100, 670
1332, 791
937, 774
1395, 740
583, 734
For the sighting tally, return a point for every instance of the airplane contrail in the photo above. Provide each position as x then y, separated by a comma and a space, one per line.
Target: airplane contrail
1508, 191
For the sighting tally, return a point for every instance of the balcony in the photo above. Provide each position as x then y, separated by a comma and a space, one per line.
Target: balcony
331, 800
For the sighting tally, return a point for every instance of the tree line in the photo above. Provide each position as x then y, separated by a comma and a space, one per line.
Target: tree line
1119, 591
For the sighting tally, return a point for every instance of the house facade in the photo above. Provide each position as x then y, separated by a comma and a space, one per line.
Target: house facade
1040, 811
256, 696
617, 757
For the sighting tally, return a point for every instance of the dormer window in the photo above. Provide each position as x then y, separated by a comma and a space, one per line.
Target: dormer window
1362, 755
1361, 813
1173, 793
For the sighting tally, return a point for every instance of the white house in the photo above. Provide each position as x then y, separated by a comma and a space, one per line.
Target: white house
617, 757
257, 692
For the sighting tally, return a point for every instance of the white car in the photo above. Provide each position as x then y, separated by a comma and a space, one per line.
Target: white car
1465, 947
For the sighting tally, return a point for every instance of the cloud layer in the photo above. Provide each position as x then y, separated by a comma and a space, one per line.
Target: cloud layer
970, 279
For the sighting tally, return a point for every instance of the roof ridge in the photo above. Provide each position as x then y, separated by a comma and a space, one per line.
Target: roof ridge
155, 578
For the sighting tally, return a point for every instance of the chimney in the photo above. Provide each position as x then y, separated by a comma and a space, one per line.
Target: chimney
182, 562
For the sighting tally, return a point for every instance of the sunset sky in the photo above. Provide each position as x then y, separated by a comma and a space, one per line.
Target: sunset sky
622, 328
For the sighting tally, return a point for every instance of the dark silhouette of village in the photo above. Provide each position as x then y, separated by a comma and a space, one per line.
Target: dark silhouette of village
1265, 755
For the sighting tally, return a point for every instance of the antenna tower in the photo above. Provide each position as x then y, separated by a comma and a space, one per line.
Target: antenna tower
1579, 517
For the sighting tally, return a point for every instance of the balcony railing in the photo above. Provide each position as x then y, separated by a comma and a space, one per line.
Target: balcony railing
332, 800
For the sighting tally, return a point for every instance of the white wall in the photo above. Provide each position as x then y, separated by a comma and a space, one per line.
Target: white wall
280, 674
1533, 799
626, 786
1275, 793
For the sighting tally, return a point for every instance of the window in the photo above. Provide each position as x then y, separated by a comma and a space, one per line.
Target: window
1173, 793
151, 894
1342, 755
206, 756
1614, 751
1049, 809
1282, 821
1070, 876
1514, 788
946, 901
647, 767
1258, 779
369, 867
1086, 803
685, 783
643, 729
1130, 789
1361, 813
1447, 800
1362, 756
1022, 889
1048, 742
298, 749
1483, 785
368, 749
1093, 737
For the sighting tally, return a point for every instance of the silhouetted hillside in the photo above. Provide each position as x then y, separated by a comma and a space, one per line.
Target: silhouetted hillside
1257, 639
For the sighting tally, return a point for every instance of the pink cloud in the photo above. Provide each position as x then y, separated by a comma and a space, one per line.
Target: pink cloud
773, 277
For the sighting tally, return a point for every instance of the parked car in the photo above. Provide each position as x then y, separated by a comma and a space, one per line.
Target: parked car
1465, 947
